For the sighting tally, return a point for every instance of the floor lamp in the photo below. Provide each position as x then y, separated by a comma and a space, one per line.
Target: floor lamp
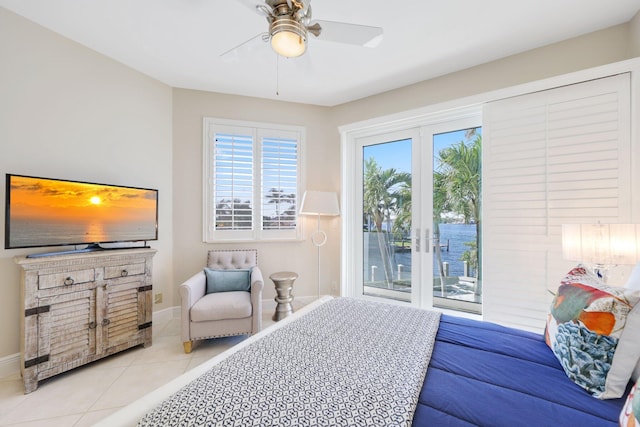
319, 203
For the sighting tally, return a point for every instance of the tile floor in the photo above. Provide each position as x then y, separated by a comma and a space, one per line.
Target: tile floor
85, 395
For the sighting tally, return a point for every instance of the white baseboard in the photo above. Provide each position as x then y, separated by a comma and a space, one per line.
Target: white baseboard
166, 314
270, 304
9, 365
267, 305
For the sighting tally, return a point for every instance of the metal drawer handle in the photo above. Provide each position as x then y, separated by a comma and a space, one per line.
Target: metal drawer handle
92, 325
69, 281
124, 273
105, 322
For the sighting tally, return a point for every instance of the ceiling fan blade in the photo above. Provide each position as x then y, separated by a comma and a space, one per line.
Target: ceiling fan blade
245, 47
258, 6
340, 32
251, 4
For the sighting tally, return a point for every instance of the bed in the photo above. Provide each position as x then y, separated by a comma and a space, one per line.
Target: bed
485, 374
476, 373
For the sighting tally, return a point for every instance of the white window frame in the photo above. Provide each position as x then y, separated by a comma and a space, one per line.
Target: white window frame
351, 137
258, 131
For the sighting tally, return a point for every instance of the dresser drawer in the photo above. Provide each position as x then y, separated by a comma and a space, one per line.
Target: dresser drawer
54, 280
125, 270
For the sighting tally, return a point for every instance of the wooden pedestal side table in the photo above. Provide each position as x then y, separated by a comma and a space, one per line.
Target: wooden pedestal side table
283, 280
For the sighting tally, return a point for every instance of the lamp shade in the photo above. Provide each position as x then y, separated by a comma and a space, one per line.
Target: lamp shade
319, 203
602, 244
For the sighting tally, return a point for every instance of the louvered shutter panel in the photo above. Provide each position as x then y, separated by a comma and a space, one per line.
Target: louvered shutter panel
553, 157
233, 181
279, 183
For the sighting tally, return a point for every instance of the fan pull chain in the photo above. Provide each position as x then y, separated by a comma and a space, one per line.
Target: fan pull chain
277, 75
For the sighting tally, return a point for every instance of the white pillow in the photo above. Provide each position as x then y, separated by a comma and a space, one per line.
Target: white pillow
630, 414
633, 282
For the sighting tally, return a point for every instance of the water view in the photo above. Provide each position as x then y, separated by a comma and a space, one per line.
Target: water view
27, 233
453, 239
388, 214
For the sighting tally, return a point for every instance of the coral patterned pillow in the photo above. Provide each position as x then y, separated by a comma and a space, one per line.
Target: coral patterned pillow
630, 415
593, 330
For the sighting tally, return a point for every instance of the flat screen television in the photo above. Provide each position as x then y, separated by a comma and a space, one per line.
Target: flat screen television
43, 212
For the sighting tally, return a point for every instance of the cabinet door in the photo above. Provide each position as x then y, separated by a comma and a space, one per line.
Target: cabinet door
66, 331
124, 315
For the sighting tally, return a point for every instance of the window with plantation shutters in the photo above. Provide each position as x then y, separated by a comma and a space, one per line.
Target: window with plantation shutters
252, 181
552, 157
279, 183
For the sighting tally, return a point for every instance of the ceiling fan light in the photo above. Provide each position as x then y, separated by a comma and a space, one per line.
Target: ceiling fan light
288, 37
288, 44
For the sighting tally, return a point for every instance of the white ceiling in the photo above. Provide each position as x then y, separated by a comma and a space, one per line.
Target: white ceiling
179, 42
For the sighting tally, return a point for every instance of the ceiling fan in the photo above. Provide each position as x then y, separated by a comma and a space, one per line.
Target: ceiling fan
290, 23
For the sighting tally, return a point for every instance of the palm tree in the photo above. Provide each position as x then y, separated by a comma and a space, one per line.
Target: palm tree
382, 190
402, 223
440, 205
277, 197
460, 165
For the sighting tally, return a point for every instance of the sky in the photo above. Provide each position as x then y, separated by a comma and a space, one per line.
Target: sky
53, 199
398, 153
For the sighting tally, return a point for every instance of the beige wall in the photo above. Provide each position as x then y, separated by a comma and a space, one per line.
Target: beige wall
321, 170
68, 112
598, 48
634, 35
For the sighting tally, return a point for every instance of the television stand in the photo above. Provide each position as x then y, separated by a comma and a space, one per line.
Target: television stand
93, 247
82, 307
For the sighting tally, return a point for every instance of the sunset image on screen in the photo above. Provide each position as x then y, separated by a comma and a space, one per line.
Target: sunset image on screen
72, 212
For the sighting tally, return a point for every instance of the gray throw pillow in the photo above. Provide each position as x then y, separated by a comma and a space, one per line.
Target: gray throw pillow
227, 280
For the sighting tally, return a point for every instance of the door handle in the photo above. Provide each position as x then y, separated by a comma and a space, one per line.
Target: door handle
419, 241
427, 240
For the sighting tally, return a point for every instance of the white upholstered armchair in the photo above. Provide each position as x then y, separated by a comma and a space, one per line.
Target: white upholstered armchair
211, 315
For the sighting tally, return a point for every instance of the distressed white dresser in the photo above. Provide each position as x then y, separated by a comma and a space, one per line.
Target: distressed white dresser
78, 308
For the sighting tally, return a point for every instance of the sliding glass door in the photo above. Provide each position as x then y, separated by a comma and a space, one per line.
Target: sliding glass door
415, 220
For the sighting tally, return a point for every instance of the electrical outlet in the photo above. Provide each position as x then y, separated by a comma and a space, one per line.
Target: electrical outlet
334, 286
158, 298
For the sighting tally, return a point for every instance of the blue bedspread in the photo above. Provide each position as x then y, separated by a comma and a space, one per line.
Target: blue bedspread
488, 375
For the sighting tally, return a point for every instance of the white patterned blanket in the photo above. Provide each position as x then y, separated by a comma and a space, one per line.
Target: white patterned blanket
348, 362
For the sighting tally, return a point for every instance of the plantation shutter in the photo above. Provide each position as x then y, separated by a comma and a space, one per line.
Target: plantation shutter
251, 181
233, 181
279, 183
553, 157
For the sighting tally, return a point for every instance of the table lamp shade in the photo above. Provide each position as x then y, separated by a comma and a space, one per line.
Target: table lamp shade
602, 244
